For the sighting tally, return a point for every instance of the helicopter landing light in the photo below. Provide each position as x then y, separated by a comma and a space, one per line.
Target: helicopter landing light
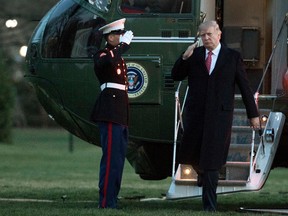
269, 135
186, 171
263, 122
264, 118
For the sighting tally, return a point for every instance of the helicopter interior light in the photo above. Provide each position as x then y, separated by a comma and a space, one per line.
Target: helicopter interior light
269, 135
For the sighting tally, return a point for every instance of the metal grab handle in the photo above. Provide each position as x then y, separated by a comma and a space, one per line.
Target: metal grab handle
252, 154
178, 122
176, 127
256, 98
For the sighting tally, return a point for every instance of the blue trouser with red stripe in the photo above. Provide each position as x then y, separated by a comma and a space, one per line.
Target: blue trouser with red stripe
114, 139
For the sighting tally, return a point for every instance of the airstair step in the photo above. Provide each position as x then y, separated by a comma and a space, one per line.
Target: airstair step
237, 164
193, 182
243, 135
236, 175
240, 116
232, 183
236, 170
242, 111
240, 152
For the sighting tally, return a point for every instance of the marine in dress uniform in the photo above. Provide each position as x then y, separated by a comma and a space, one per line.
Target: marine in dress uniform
111, 110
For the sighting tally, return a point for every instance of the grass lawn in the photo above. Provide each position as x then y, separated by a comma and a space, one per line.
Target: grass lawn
40, 176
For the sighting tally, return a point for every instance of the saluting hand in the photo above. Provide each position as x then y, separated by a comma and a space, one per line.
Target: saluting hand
127, 37
189, 51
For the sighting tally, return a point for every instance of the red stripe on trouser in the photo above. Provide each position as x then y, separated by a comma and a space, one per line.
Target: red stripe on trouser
109, 147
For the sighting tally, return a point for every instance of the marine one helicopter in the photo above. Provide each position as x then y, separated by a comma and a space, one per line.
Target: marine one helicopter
60, 68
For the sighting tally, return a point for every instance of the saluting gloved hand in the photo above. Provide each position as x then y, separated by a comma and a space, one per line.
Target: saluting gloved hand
127, 37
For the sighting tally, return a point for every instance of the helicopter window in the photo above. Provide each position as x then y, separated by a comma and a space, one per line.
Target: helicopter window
72, 32
101, 5
156, 6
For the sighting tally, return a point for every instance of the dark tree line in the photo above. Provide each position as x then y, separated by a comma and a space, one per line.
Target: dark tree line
19, 106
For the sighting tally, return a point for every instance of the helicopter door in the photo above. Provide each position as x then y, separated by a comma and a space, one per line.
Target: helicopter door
162, 30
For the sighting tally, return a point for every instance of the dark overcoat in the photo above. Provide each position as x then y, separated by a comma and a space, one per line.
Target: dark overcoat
209, 107
112, 104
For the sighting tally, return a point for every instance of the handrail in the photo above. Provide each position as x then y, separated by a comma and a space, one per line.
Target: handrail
266, 97
178, 122
176, 127
256, 98
252, 155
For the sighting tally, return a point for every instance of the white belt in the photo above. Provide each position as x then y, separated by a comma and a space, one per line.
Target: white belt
113, 85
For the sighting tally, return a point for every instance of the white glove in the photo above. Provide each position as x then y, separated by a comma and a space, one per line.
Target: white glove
127, 37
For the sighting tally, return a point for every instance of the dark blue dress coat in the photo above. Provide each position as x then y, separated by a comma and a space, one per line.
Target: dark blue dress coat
112, 104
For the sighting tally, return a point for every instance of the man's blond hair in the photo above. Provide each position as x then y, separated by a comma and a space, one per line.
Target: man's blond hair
208, 24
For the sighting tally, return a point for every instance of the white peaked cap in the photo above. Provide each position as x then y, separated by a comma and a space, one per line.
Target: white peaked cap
114, 26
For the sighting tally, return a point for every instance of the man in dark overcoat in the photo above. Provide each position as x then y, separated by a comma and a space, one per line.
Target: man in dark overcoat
111, 110
209, 106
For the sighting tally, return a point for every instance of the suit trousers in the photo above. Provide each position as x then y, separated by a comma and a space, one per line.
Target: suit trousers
209, 196
114, 139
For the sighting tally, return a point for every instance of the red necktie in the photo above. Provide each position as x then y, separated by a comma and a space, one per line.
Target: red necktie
208, 61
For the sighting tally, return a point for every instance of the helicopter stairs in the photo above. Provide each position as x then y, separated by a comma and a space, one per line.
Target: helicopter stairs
241, 172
